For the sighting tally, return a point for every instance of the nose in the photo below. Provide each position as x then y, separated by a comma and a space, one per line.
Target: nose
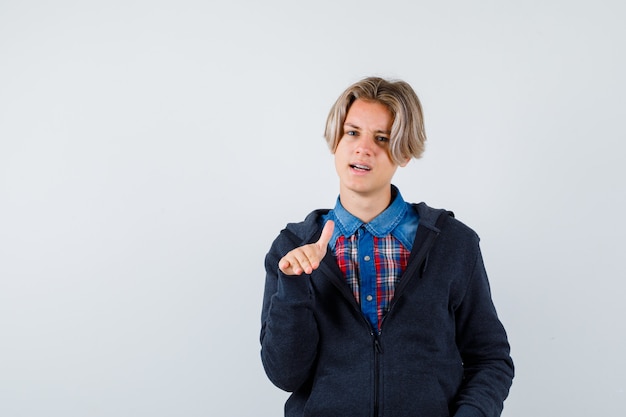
365, 145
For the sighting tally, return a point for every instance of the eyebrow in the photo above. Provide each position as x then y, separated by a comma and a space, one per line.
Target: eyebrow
386, 132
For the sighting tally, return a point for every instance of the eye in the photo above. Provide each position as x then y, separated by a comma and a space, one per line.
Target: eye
382, 139
351, 132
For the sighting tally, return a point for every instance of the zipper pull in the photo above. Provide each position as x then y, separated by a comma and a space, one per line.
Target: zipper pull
377, 346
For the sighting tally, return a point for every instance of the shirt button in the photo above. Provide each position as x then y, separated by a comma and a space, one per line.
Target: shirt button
369, 298
367, 257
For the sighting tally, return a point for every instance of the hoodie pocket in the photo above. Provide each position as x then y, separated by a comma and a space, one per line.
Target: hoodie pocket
334, 396
418, 395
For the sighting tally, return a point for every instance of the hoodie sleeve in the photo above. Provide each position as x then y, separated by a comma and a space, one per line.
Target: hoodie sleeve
289, 334
484, 348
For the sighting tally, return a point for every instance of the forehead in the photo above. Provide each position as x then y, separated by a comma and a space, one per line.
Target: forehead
372, 114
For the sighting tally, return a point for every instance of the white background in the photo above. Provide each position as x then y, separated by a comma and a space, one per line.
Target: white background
150, 151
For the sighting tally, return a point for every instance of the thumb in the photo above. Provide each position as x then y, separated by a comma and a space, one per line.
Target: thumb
327, 233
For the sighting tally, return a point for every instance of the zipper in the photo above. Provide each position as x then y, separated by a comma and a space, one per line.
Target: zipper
378, 350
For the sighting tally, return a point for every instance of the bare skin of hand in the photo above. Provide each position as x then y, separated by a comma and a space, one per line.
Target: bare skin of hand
307, 258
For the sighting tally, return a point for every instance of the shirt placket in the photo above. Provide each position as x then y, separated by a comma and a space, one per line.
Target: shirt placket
367, 278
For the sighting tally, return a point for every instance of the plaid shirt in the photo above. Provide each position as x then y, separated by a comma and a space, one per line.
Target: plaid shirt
372, 256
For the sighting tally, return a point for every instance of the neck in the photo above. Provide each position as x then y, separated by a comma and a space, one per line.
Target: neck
365, 207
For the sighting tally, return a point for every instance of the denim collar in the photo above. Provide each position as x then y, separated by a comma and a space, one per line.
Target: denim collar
380, 226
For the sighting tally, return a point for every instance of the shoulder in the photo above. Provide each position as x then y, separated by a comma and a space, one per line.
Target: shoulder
296, 234
445, 223
306, 229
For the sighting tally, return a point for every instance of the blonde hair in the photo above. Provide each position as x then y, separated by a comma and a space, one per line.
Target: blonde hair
407, 131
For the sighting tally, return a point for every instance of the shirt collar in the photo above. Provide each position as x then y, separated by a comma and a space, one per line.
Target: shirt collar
380, 226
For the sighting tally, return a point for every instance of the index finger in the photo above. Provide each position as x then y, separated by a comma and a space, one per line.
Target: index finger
327, 234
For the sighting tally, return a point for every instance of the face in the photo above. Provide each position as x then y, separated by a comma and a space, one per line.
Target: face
362, 156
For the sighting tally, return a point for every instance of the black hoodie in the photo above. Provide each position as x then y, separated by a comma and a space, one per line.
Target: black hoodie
441, 350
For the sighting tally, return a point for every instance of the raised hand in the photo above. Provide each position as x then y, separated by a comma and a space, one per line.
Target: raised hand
307, 258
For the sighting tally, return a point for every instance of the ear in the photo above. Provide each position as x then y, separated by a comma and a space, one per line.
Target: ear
405, 162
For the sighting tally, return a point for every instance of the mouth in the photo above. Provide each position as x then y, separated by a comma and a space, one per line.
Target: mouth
359, 167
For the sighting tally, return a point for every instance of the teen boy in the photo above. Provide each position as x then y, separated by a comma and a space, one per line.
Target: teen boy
380, 307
